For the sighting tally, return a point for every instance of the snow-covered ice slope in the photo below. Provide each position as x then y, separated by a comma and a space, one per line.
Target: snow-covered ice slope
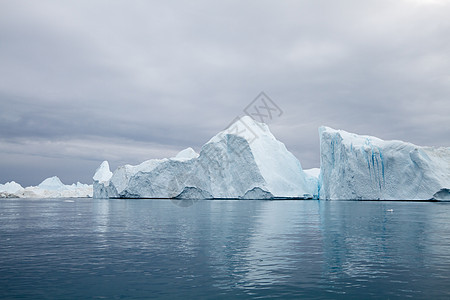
154, 178
49, 188
11, 187
362, 167
232, 164
10, 190
250, 156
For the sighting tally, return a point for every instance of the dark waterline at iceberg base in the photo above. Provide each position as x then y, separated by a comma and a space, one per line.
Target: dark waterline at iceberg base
141, 249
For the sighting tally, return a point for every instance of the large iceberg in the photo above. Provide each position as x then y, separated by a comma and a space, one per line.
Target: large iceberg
49, 188
360, 167
244, 161
10, 190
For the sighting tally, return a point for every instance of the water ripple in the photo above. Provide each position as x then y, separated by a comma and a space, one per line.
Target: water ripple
137, 249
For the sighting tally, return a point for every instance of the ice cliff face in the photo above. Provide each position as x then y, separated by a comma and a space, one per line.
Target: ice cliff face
101, 180
361, 167
243, 161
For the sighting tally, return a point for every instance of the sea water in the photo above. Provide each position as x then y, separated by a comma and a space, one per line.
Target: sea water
209, 249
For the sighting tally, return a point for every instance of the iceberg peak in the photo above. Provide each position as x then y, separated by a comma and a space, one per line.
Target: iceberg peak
245, 127
11, 187
51, 183
186, 154
103, 172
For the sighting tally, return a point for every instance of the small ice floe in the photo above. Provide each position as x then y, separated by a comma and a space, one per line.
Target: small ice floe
69, 201
390, 209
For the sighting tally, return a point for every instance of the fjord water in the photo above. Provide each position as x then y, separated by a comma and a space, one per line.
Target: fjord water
141, 249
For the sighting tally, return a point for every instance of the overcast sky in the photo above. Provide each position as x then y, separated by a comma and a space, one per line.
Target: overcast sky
126, 81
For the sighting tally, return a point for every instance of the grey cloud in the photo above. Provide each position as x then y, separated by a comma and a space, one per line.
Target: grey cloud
156, 77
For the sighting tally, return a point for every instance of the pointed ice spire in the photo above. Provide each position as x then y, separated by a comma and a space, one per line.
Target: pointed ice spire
103, 172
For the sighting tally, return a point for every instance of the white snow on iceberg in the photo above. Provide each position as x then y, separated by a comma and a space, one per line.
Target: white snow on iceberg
10, 190
243, 161
103, 173
359, 167
51, 184
49, 188
11, 187
314, 172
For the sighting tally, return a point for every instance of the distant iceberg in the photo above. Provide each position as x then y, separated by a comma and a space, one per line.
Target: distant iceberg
49, 188
10, 190
244, 161
359, 167
314, 172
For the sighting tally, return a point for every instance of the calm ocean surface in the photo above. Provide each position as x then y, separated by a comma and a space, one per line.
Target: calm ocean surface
141, 249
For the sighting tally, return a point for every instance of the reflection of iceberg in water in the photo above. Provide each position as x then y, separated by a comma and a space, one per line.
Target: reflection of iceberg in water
279, 241
229, 223
184, 202
102, 216
363, 244
101, 220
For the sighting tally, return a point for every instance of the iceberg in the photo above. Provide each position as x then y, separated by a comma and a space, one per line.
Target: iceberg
244, 161
360, 167
51, 184
101, 178
103, 173
258, 193
314, 172
10, 190
49, 188
313, 181
442, 195
11, 187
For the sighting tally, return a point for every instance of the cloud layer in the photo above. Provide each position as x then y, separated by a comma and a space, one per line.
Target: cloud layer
83, 81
